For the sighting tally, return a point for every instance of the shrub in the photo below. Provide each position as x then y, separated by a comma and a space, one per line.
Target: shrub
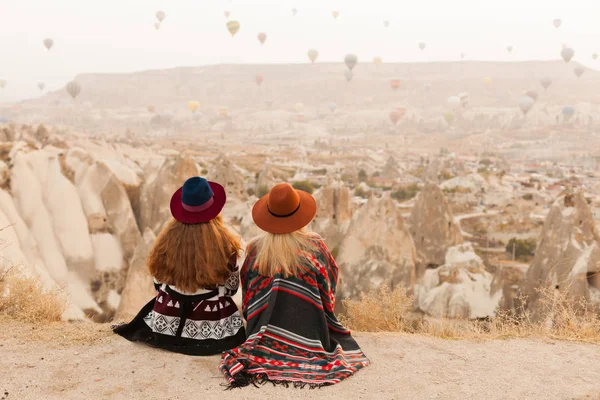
405, 193
523, 248
204, 172
360, 192
24, 298
250, 192
528, 196
304, 185
262, 190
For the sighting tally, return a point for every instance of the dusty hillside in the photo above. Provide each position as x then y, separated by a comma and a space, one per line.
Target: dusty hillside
316, 86
404, 367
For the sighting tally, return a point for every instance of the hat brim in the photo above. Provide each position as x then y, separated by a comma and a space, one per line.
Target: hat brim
188, 217
280, 225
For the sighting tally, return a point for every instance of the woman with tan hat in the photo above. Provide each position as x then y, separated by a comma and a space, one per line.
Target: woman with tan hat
193, 263
288, 289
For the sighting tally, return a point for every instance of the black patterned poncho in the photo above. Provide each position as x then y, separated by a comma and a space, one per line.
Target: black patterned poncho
293, 335
203, 323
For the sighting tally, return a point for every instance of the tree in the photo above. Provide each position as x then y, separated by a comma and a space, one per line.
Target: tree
304, 185
262, 190
522, 249
362, 176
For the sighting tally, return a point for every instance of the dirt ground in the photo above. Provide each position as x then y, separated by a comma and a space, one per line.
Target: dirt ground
90, 363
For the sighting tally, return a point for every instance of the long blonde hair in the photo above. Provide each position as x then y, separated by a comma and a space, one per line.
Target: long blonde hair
192, 257
283, 253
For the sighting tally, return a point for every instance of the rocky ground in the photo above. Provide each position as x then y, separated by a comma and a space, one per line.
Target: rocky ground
63, 362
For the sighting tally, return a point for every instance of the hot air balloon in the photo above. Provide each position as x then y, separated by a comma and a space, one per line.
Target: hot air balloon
377, 61
397, 115
223, 111
312, 55
395, 84
193, 106
259, 79
568, 112
557, 23
422, 45
567, 54
335, 14
488, 80
464, 99
595, 56
427, 86
453, 102
579, 71
157, 25
300, 118
151, 109
348, 74
294, 12
509, 49
533, 94
525, 104
73, 88
546, 82
48, 43
41, 85
160, 15
350, 61
386, 23
368, 100
227, 14
298, 107
262, 37
462, 55
332, 107
449, 117
233, 27
2, 83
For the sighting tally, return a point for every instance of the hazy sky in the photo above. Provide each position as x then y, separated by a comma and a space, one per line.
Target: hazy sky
118, 35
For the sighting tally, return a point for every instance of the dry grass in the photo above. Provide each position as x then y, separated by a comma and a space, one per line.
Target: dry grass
557, 316
24, 298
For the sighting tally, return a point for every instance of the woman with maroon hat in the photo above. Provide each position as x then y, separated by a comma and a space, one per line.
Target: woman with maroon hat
288, 289
193, 263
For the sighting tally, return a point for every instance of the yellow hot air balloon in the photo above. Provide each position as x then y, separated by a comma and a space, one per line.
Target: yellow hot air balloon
487, 80
2, 83
193, 106
233, 27
377, 61
262, 37
335, 14
223, 111
449, 117
299, 107
312, 55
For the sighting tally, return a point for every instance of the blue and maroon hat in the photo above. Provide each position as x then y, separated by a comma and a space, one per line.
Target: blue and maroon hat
198, 201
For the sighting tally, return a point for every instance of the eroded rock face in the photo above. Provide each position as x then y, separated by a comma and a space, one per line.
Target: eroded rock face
391, 170
433, 228
568, 255
377, 248
158, 190
139, 287
461, 288
225, 172
334, 213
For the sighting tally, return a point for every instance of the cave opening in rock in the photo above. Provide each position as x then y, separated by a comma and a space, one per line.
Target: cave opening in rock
593, 279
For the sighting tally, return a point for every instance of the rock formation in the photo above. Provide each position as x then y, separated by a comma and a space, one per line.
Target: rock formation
334, 213
157, 191
266, 179
139, 288
377, 248
391, 170
433, 228
568, 253
230, 176
461, 288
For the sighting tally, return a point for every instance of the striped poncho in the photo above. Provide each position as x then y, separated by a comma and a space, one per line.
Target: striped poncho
293, 334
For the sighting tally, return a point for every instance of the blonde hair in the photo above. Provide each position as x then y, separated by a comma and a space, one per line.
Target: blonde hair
283, 253
192, 257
